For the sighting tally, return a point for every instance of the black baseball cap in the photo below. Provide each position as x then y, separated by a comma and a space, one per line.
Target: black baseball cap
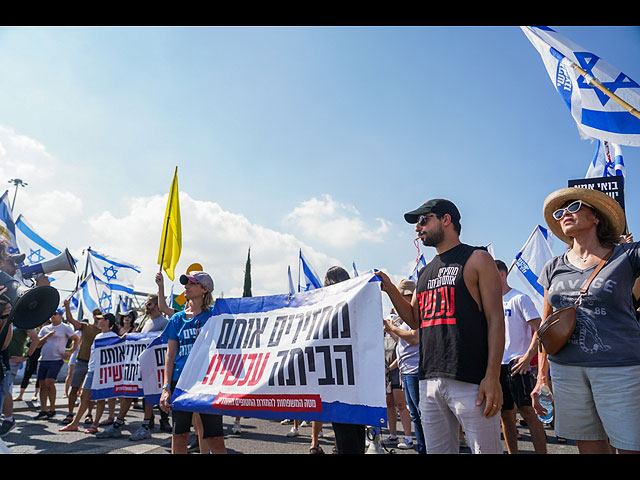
437, 205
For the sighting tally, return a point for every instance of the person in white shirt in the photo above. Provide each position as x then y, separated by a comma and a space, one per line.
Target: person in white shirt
53, 339
521, 320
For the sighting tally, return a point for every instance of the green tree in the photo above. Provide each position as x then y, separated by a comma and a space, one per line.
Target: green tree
246, 292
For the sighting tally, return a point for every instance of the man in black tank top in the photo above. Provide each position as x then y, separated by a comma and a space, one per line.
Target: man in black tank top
457, 306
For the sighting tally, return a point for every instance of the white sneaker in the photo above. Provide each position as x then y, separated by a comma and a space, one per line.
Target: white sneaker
293, 432
304, 423
320, 434
235, 428
391, 439
286, 421
406, 444
142, 433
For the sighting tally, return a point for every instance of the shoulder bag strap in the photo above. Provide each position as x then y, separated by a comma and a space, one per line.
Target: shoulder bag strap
585, 287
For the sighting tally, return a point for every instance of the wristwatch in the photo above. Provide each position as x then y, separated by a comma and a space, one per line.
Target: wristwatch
166, 385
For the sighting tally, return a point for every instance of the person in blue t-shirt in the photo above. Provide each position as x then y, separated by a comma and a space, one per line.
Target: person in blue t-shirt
181, 333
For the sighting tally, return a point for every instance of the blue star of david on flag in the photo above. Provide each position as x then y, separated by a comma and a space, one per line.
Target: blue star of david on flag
119, 276
588, 61
35, 256
110, 273
105, 302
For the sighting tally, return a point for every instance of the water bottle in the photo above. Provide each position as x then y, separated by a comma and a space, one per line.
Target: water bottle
545, 398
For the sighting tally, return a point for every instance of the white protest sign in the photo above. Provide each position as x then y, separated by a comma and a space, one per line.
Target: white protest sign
316, 355
117, 368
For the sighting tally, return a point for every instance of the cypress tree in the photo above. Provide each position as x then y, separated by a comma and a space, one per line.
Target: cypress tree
247, 277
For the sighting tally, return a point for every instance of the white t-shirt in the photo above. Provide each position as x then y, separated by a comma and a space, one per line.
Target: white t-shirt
154, 324
408, 355
518, 311
55, 345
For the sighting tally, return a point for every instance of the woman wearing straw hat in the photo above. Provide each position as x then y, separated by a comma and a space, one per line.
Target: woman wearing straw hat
596, 375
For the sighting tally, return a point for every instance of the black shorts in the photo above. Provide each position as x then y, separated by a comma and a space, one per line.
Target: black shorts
211, 424
516, 389
394, 379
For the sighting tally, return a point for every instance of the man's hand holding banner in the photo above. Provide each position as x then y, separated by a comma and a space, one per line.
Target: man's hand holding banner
316, 355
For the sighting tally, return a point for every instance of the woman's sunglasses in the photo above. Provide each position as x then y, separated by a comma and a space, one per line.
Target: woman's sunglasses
571, 208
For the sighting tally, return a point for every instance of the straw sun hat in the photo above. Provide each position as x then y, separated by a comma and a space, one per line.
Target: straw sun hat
603, 203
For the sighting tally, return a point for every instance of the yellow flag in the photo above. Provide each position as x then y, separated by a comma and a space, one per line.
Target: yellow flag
171, 242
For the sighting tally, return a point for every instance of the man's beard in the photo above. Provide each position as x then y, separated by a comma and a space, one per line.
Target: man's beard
432, 237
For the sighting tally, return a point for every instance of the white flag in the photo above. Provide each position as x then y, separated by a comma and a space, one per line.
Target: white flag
93, 294
119, 276
607, 161
420, 264
310, 279
7, 226
596, 114
530, 261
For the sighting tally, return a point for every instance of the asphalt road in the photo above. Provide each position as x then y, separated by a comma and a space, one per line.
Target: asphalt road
257, 436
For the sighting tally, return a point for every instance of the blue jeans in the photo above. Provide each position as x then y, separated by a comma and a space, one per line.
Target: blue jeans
412, 394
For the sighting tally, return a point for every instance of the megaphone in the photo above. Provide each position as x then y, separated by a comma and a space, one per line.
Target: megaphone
64, 261
30, 307
373, 435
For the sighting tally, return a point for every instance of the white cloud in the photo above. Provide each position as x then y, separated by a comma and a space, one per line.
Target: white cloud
217, 239
47, 199
334, 223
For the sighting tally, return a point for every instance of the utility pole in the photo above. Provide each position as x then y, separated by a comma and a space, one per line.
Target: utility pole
18, 183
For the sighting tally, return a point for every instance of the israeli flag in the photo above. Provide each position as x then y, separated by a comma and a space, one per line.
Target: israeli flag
530, 261
597, 115
35, 248
92, 294
310, 279
7, 225
420, 264
607, 161
291, 289
355, 270
119, 276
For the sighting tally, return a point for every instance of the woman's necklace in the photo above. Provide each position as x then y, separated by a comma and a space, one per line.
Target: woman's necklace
584, 259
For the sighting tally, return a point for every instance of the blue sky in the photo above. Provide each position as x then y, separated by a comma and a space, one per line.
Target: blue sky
289, 137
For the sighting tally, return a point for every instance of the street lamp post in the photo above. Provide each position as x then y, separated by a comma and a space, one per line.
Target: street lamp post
18, 183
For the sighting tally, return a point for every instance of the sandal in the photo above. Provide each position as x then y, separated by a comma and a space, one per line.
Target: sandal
106, 422
68, 428
88, 420
68, 419
91, 429
316, 450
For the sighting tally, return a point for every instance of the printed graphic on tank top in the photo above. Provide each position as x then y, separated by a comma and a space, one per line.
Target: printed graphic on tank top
453, 329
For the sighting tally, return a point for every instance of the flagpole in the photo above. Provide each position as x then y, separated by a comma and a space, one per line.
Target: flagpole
95, 285
592, 80
299, 268
166, 227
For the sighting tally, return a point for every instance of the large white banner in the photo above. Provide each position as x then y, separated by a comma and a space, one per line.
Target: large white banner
316, 355
117, 368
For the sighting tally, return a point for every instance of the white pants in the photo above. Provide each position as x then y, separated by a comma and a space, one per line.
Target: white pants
446, 404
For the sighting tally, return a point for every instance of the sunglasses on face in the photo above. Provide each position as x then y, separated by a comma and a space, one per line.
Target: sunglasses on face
571, 208
423, 219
